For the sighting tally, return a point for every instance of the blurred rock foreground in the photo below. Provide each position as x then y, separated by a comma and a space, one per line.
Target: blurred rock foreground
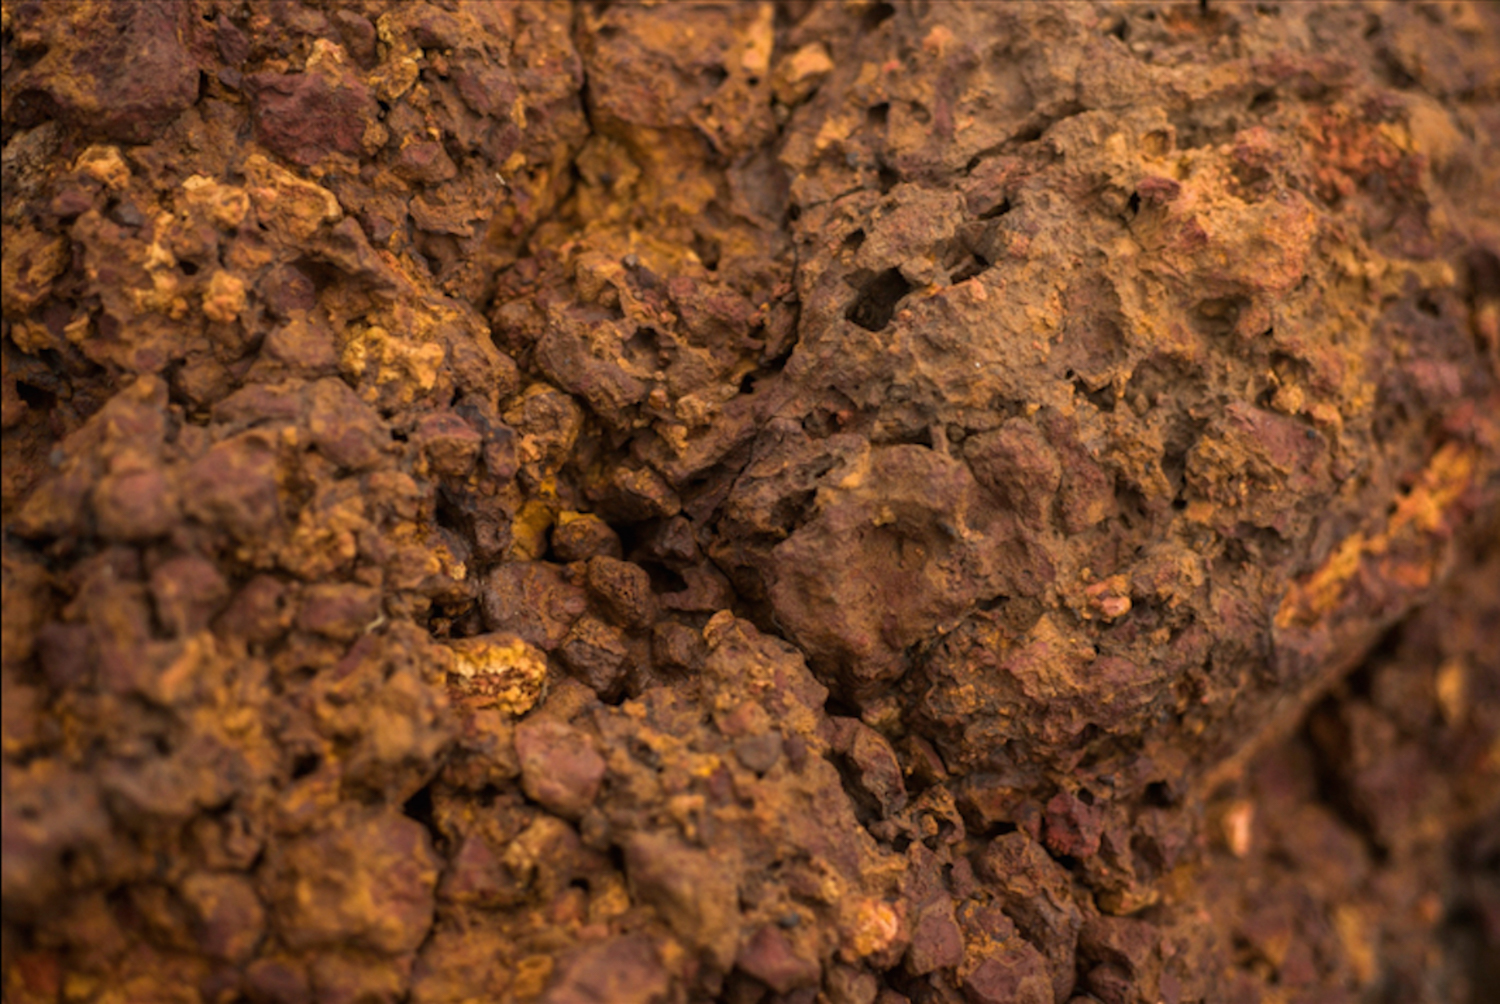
765, 503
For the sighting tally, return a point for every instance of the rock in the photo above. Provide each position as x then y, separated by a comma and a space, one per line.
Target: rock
342, 611
847, 985
226, 913
691, 891
424, 162
596, 654
760, 752
277, 981
306, 116
477, 875
559, 767
624, 589
1123, 951
897, 533
125, 71
233, 485
259, 612
188, 591
301, 344
799, 73
533, 600
676, 646
135, 502
362, 879
581, 536
32, 260
1015, 977
497, 670
771, 958
878, 769
451, 444
1072, 826
956, 443
345, 429
1017, 465
1037, 893
936, 941
46, 812
624, 970
639, 493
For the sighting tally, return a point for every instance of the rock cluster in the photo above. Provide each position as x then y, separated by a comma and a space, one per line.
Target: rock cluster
773, 503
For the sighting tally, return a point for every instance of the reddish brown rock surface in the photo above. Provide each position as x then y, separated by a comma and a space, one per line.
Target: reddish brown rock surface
772, 502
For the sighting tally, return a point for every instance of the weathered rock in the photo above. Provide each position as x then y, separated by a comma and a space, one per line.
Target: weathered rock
497, 670
306, 116
772, 959
362, 879
625, 969
533, 600
877, 502
125, 71
695, 894
559, 767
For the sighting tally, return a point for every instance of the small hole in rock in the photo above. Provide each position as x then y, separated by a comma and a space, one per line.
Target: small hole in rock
975, 265
1030, 134
1159, 793
1218, 316
877, 300
663, 579
998, 211
420, 808
708, 251
29, 56
1102, 398
1483, 274
878, 15
35, 397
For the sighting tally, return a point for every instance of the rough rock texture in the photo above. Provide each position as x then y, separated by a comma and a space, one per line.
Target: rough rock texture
772, 503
